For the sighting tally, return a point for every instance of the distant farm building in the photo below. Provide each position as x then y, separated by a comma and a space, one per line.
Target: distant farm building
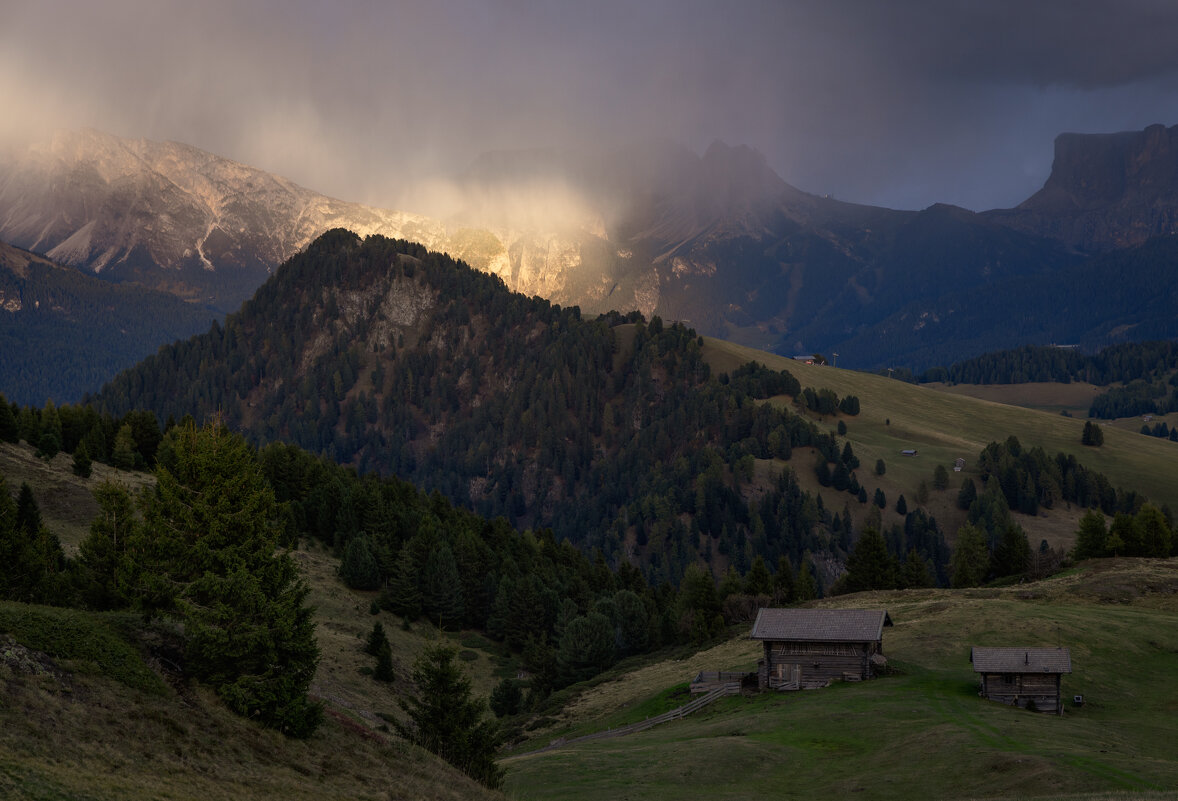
908, 452
813, 647
1025, 677
804, 359
958, 465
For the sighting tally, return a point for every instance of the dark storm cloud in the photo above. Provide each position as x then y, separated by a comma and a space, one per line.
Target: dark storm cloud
898, 103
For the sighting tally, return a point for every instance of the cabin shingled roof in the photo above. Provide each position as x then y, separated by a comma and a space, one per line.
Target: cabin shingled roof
1020, 660
821, 625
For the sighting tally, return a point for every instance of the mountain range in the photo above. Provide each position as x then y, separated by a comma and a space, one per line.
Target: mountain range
718, 241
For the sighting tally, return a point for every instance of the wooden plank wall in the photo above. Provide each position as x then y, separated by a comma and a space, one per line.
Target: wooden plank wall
1042, 688
814, 664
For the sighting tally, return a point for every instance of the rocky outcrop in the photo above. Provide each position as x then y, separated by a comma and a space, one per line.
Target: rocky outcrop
173, 217
1106, 191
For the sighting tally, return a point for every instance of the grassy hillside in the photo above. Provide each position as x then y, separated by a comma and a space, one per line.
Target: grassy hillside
83, 717
91, 706
942, 427
922, 732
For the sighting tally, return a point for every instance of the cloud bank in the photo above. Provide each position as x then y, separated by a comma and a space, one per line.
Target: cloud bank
900, 104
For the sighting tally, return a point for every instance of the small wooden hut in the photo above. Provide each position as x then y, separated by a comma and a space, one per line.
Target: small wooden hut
1022, 676
812, 647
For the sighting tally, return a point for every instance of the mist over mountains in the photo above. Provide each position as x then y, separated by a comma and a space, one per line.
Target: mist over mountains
718, 241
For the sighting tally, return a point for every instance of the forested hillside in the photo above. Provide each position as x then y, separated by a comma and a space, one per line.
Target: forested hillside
393, 359
1147, 372
63, 333
1118, 297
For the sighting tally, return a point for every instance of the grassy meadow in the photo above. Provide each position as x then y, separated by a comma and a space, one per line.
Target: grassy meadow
943, 426
922, 732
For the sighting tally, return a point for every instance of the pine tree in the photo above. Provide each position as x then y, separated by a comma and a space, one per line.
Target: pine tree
758, 581
506, 698
384, 663
806, 588
1155, 531
122, 456
940, 478
1093, 435
445, 718
83, 465
783, 581
915, 572
377, 639
1092, 536
403, 594
441, 587
967, 495
971, 557
870, 566
103, 553
1012, 554
358, 568
206, 553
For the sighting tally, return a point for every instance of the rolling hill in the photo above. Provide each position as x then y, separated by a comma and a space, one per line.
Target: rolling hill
944, 426
922, 732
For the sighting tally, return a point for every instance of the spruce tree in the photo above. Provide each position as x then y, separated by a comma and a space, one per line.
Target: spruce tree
83, 465
758, 581
384, 663
783, 581
967, 495
870, 566
444, 717
806, 587
207, 554
940, 478
358, 568
377, 639
103, 554
914, 573
124, 452
1092, 536
971, 557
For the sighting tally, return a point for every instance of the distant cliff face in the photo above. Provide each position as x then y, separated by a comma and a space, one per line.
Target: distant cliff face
1106, 191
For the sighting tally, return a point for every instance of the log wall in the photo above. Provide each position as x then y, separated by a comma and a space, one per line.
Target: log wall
793, 665
1019, 689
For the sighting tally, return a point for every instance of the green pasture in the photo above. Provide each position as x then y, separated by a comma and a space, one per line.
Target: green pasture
923, 732
941, 427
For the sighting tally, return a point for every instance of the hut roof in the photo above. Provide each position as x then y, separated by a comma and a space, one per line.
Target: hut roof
821, 625
1021, 660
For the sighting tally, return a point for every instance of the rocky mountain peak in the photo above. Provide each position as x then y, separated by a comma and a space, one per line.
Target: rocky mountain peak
1106, 191
1092, 171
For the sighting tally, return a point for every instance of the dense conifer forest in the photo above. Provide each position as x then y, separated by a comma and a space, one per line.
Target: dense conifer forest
611, 431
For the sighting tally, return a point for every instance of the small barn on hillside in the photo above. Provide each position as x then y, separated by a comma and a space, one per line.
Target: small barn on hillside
812, 647
1022, 676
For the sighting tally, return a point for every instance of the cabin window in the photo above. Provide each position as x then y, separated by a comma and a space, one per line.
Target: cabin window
1008, 679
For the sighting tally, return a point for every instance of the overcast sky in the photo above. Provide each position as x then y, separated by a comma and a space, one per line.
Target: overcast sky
901, 103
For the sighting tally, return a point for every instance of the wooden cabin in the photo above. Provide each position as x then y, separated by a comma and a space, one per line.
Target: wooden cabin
1022, 676
813, 647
